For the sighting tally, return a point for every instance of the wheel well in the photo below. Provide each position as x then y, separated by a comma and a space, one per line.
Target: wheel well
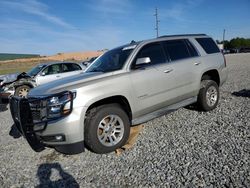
114, 99
27, 84
213, 75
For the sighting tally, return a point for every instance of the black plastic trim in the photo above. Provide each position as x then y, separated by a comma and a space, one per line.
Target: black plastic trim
70, 149
183, 35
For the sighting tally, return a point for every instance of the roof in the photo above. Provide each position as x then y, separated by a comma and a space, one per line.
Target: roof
183, 35
54, 62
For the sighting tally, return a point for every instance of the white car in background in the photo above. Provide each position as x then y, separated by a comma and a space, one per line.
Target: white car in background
19, 84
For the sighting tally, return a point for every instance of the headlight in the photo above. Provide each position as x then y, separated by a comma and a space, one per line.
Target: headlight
60, 105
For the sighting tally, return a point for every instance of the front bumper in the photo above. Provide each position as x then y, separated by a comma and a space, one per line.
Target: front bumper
45, 134
4, 96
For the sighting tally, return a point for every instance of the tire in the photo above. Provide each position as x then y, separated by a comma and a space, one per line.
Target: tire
22, 91
105, 124
208, 96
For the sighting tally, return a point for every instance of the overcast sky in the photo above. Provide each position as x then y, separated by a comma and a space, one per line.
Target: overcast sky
50, 26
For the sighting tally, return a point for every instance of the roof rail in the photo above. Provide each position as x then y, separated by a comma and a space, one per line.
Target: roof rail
183, 35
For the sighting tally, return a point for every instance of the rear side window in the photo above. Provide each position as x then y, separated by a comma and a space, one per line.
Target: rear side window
208, 45
176, 49
68, 67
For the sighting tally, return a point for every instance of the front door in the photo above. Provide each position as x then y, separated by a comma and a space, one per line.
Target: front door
150, 84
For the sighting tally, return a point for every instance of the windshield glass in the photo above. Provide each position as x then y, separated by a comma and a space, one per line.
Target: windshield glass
34, 71
110, 61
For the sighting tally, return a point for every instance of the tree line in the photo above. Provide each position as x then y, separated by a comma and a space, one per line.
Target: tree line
235, 43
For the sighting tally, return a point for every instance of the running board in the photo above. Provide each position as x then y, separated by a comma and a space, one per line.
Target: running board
163, 111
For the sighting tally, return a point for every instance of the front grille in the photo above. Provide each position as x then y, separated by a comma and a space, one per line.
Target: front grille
22, 116
38, 110
14, 106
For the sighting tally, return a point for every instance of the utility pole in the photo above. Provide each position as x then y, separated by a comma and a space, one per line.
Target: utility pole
223, 41
156, 22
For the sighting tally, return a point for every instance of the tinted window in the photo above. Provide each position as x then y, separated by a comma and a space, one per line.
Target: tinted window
176, 49
154, 52
208, 45
70, 67
192, 51
52, 69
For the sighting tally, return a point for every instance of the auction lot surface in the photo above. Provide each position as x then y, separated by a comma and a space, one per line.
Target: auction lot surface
186, 148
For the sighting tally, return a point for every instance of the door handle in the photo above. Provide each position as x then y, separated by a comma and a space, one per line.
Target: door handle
58, 76
197, 63
168, 70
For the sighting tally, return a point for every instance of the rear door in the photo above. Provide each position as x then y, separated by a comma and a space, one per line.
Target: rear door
184, 68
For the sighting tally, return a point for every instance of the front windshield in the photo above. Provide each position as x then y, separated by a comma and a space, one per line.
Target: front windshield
34, 71
110, 61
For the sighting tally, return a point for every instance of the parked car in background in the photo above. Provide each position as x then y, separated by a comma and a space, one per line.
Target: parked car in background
88, 62
19, 84
244, 50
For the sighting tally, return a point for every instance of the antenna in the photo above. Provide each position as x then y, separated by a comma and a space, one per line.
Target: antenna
156, 22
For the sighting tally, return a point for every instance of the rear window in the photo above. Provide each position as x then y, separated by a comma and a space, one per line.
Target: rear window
208, 45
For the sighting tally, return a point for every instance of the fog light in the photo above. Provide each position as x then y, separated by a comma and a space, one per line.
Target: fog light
59, 138
53, 138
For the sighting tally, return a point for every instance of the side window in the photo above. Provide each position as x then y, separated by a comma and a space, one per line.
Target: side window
68, 67
208, 45
192, 51
52, 69
176, 49
154, 51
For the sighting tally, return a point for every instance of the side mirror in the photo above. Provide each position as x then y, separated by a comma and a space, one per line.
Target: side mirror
43, 74
143, 60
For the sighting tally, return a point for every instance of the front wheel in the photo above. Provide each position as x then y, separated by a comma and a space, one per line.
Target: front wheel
22, 91
107, 128
208, 96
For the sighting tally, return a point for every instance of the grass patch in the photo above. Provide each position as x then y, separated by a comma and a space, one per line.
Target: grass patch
14, 70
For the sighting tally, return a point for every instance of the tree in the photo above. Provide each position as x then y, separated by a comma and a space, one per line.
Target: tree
235, 43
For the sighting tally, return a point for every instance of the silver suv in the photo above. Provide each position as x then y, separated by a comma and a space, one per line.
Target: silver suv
128, 85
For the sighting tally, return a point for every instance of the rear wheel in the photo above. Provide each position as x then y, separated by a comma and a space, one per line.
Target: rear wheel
22, 91
208, 97
107, 128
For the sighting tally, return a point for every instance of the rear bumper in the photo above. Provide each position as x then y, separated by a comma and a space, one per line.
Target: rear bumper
53, 134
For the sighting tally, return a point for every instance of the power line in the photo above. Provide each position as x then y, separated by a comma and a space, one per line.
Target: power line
156, 22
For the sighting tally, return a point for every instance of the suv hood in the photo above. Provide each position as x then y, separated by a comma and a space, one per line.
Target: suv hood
67, 83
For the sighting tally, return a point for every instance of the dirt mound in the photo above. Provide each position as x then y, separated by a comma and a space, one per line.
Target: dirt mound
71, 56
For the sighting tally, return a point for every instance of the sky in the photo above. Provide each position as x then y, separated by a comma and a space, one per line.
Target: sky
48, 27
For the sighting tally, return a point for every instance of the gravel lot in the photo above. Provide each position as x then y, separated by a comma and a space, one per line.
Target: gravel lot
183, 149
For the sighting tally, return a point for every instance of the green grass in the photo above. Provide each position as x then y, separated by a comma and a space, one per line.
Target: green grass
6, 56
14, 70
